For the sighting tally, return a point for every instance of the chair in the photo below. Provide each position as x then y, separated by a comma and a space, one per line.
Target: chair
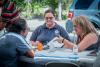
55, 64
97, 61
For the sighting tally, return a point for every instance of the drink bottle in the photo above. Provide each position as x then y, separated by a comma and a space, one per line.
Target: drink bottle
75, 49
40, 46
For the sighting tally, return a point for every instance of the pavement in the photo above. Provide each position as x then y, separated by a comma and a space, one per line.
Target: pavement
33, 24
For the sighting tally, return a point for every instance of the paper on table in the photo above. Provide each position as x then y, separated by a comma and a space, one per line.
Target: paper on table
53, 43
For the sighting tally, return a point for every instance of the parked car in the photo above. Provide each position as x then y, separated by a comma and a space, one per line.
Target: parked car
89, 8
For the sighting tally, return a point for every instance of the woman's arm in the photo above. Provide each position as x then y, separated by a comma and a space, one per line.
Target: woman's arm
87, 41
67, 43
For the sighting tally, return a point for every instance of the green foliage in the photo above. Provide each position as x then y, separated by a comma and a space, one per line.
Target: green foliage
36, 6
64, 15
52, 3
19, 3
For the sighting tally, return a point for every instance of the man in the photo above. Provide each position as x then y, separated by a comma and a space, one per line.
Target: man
13, 44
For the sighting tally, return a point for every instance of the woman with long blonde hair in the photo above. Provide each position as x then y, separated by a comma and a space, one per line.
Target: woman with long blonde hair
87, 36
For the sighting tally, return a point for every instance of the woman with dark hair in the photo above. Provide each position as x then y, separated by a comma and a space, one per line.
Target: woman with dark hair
48, 30
19, 27
13, 44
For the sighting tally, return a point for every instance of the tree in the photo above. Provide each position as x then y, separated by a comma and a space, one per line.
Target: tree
36, 5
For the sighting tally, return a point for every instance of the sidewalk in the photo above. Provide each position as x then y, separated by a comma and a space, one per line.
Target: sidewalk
33, 24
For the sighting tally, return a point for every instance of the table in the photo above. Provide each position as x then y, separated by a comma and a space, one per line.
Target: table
59, 55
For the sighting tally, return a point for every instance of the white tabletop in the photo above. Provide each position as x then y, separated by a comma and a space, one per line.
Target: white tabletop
59, 54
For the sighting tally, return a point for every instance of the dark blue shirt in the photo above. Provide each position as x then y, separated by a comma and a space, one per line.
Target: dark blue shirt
44, 34
11, 47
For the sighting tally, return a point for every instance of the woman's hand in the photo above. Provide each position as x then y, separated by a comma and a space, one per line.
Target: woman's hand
60, 39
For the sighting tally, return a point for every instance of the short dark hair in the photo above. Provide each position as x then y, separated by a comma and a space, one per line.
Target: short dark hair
18, 26
49, 11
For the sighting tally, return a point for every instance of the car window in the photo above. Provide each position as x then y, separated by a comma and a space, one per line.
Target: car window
83, 4
99, 5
